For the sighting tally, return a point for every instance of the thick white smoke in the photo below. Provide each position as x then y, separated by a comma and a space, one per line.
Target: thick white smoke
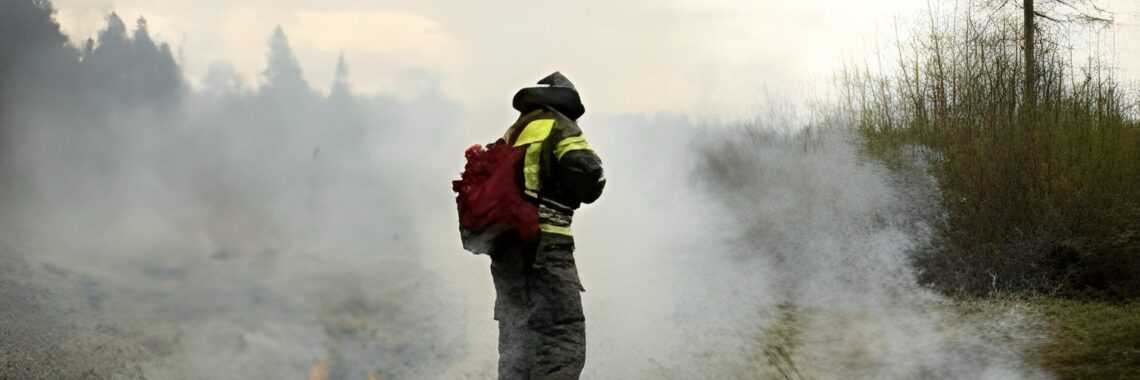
149, 230
750, 252
754, 252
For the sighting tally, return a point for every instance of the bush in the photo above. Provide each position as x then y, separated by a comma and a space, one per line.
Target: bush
1041, 197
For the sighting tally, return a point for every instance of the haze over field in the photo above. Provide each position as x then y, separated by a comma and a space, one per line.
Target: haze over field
201, 194
706, 58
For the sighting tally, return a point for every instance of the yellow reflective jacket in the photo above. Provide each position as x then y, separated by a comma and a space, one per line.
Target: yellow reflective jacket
559, 170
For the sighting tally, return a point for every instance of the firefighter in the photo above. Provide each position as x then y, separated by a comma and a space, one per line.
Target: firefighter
538, 305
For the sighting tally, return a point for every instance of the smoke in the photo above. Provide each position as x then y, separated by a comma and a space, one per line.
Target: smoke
767, 251
152, 230
164, 232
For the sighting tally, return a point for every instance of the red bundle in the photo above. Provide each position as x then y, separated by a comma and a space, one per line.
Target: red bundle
488, 197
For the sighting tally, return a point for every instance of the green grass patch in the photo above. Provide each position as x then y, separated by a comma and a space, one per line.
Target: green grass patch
1091, 340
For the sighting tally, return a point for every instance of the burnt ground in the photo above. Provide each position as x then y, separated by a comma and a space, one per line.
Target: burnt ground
40, 338
232, 316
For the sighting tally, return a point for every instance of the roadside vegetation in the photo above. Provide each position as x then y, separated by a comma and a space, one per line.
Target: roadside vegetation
1040, 184
1038, 172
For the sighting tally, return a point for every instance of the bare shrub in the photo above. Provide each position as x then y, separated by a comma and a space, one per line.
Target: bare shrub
1034, 193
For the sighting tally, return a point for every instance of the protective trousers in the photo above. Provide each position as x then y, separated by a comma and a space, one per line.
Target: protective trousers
542, 331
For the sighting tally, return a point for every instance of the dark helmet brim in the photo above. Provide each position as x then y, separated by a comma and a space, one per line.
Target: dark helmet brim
565, 100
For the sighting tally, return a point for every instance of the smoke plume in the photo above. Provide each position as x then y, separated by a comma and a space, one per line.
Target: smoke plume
150, 229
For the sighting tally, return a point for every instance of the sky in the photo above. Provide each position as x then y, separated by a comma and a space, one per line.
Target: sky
708, 57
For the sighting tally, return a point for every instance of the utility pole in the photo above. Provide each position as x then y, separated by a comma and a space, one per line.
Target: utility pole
1029, 106
1030, 62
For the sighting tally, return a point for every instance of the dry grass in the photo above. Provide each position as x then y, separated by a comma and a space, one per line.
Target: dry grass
1092, 340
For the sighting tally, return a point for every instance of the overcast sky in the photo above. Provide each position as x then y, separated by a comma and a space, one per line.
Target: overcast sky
689, 56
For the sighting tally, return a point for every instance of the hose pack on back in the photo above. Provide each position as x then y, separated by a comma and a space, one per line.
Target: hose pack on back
488, 198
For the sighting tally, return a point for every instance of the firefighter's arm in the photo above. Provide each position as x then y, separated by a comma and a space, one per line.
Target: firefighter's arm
581, 169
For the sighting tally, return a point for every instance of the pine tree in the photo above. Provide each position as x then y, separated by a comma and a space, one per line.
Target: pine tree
340, 87
282, 72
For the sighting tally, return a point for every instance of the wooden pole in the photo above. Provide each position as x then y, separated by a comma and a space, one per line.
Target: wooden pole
1030, 61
